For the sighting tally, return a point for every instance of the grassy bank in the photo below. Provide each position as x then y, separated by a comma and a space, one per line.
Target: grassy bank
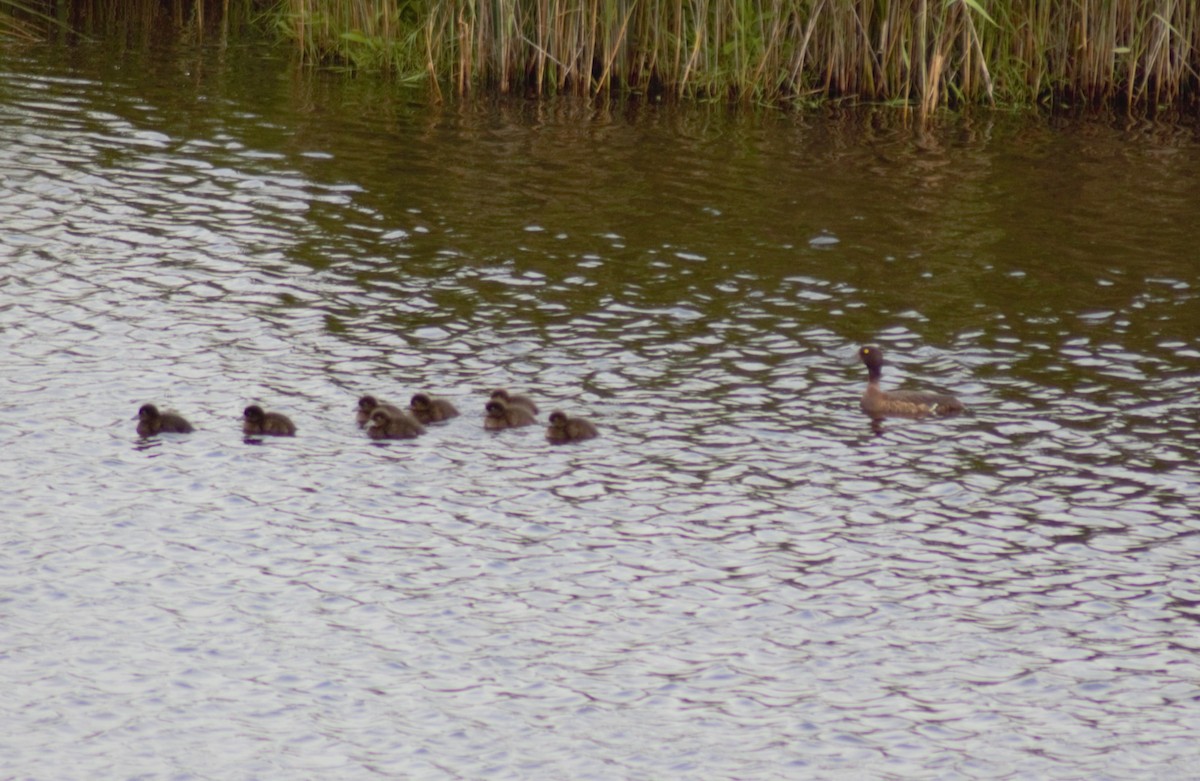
1136, 55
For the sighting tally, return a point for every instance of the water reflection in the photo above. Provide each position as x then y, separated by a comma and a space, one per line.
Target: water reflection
736, 579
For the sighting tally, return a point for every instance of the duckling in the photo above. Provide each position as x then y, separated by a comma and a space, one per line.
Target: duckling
367, 405
431, 409
393, 424
151, 422
564, 429
880, 404
256, 422
499, 415
514, 399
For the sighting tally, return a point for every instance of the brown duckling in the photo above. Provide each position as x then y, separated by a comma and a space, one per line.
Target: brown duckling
499, 415
367, 405
563, 429
514, 400
431, 409
256, 422
880, 404
393, 424
151, 422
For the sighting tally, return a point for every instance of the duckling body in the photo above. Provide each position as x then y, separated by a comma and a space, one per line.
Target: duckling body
256, 422
368, 404
387, 422
514, 400
431, 409
879, 404
563, 429
499, 415
151, 422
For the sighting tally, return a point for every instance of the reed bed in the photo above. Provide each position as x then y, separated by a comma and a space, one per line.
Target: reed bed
921, 53
135, 21
924, 54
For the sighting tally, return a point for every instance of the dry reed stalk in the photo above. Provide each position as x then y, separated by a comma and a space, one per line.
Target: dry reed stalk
603, 83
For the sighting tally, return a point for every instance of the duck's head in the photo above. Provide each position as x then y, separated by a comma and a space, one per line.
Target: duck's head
367, 403
380, 417
254, 413
495, 408
558, 419
421, 401
872, 356
147, 412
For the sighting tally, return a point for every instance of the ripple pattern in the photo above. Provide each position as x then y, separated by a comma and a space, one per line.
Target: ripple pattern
737, 579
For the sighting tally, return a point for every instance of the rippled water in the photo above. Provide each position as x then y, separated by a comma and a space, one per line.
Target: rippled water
737, 580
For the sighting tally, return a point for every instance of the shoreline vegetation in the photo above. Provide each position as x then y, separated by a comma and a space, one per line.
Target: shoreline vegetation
1131, 56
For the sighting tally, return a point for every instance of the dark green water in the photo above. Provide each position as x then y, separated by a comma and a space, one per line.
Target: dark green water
737, 579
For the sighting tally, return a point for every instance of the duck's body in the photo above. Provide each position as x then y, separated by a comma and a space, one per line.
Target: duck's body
879, 404
387, 422
431, 409
151, 422
514, 400
256, 423
368, 404
499, 415
563, 429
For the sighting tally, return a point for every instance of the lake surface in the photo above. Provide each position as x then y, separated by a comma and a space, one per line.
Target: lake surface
738, 579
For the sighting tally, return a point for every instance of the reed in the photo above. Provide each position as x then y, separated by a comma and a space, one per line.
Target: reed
137, 21
922, 53
22, 21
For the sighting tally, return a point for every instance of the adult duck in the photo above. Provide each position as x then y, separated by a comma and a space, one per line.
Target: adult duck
880, 404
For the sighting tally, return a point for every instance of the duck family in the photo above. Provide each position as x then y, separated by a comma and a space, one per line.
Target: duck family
381, 420
505, 410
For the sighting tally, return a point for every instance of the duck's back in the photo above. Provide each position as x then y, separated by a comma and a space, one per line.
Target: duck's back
166, 422
878, 403
572, 430
278, 424
396, 426
520, 415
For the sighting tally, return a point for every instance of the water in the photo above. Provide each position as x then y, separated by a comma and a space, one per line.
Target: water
737, 579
